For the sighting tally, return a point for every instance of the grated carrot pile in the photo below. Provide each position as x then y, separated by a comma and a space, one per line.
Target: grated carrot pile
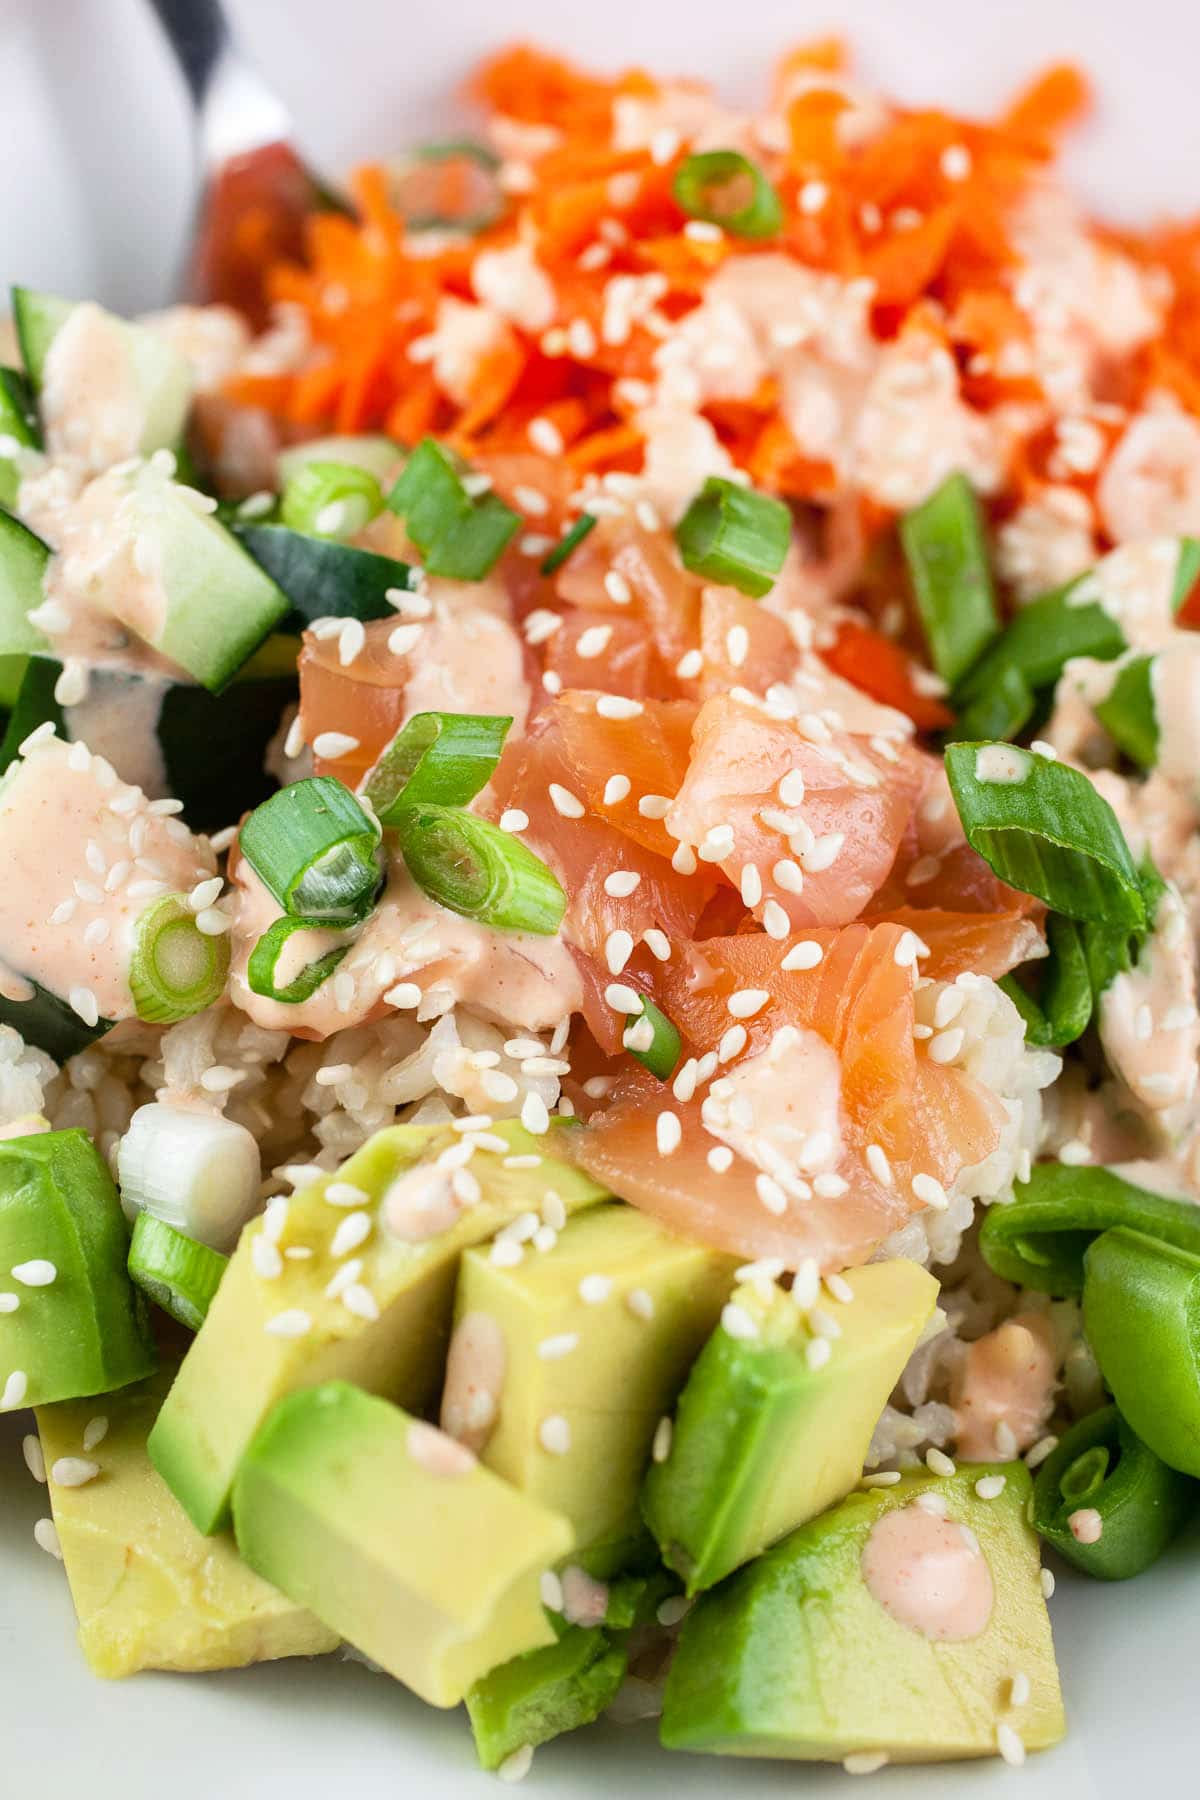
917, 206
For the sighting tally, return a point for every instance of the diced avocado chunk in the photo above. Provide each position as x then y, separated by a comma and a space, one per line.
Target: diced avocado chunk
71, 1321
275, 1326
211, 605
799, 1656
397, 1538
149, 1591
379, 456
538, 1696
592, 1341
142, 390
765, 1438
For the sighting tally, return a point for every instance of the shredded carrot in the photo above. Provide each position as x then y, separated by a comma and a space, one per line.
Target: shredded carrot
882, 669
917, 201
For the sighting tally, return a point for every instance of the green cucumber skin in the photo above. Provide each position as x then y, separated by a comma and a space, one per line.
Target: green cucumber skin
38, 319
323, 579
23, 561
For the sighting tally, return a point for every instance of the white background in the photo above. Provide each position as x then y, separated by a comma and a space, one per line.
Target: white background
94, 200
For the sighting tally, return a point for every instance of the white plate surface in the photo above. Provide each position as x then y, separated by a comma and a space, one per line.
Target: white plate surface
95, 202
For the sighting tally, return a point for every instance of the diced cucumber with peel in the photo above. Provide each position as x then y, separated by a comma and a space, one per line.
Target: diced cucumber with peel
379, 456
161, 375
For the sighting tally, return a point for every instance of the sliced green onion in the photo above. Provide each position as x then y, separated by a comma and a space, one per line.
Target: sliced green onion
323, 579
459, 536
418, 200
945, 546
1037, 1240
1187, 571
1128, 712
176, 970
1141, 1316
479, 871
34, 704
654, 1040
999, 710
1061, 1010
442, 758
314, 849
178, 1274
735, 535
1044, 829
264, 960
1101, 1465
331, 499
729, 190
1043, 637
568, 544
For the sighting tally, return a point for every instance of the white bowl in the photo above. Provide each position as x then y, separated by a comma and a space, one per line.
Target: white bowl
94, 202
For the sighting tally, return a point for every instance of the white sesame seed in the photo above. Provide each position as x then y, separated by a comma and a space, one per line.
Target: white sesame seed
746, 1002
552, 1349
720, 1159
534, 1115
406, 994
938, 1463
668, 1133
616, 789
565, 802
661, 1447
331, 745
353, 1230
1019, 1689
990, 1487
593, 1289
673, 1609
617, 706
1010, 1744
732, 1043
770, 1194
514, 819
621, 883
884, 1479
360, 1301
804, 955
545, 436
654, 806
689, 665
864, 1762
74, 1471
593, 641
1037, 1455
15, 1389
293, 1323
402, 641
737, 645
930, 1192
818, 1352
658, 943
737, 1322
618, 948
751, 885
947, 1045
517, 1766
623, 999
879, 1165
554, 1434
1048, 1584
46, 1538
37, 1273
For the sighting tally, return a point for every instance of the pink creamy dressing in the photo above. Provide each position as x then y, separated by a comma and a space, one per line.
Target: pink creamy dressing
436, 1453
1175, 681
781, 1109
929, 1574
91, 405
514, 977
50, 813
1008, 1376
1086, 1525
1149, 1025
107, 573
585, 1600
420, 1204
475, 1368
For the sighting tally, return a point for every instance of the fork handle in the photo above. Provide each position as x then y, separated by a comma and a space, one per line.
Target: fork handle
198, 33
